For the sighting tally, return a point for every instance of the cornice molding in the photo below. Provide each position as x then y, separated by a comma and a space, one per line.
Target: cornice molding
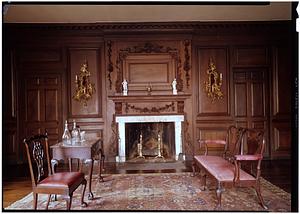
111, 27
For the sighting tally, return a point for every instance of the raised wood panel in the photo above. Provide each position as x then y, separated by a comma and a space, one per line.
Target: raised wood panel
42, 59
258, 101
9, 86
240, 99
281, 140
77, 57
40, 55
10, 144
250, 96
51, 81
251, 56
157, 70
33, 105
205, 106
282, 81
51, 105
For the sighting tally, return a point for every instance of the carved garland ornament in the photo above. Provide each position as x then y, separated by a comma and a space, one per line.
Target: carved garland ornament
168, 107
187, 66
110, 67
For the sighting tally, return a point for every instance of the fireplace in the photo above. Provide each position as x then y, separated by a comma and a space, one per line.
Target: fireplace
169, 127
149, 135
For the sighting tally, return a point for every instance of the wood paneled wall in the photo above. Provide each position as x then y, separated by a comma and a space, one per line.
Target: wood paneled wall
41, 61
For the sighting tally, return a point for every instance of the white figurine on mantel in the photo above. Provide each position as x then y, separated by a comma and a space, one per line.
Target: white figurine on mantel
125, 87
174, 83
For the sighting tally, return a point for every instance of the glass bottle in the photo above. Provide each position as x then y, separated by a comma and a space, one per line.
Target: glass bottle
75, 133
66, 137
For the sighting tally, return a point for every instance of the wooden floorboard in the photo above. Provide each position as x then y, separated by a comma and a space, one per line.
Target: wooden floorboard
277, 172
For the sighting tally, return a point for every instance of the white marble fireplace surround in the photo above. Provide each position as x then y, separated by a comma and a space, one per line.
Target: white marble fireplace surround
176, 119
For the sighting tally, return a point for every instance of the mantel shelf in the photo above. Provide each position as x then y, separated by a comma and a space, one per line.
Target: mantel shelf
155, 97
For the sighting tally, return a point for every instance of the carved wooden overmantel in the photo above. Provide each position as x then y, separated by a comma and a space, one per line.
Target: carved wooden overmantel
148, 66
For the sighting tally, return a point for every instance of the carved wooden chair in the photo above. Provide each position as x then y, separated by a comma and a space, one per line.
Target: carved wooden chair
240, 146
44, 180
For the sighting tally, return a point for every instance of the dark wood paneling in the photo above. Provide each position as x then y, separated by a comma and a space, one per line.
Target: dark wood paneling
251, 56
48, 56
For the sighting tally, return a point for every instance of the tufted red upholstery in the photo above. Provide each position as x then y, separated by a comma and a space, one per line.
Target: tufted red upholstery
62, 179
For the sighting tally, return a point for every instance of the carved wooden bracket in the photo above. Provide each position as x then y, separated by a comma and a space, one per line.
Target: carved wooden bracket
180, 106
118, 107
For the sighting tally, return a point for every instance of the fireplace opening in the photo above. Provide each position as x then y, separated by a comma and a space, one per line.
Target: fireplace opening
149, 133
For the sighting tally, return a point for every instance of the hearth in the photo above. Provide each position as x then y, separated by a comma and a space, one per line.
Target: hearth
169, 128
149, 136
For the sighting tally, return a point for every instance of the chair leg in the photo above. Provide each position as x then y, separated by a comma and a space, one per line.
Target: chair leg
101, 165
194, 168
69, 201
83, 204
48, 201
259, 196
35, 200
203, 181
219, 195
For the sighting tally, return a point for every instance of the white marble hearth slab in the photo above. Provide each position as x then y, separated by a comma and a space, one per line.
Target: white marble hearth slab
121, 120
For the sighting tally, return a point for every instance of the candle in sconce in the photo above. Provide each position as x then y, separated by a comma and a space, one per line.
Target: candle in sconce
220, 76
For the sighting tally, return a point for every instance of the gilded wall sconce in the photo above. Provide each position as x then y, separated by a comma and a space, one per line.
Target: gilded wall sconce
214, 83
84, 88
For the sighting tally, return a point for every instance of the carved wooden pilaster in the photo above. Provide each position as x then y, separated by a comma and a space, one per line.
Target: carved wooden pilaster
188, 144
114, 139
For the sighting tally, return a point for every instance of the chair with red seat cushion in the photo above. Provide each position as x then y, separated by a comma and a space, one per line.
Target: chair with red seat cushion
44, 181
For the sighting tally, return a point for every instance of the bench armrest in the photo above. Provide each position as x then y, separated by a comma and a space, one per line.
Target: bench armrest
211, 142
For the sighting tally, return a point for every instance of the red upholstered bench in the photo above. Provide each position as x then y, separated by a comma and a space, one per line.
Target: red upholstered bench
241, 145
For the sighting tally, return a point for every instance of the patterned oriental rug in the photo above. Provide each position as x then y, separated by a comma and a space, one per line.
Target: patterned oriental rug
165, 191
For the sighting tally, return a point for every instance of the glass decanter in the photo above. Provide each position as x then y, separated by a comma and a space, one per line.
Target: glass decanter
75, 133
66, 137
